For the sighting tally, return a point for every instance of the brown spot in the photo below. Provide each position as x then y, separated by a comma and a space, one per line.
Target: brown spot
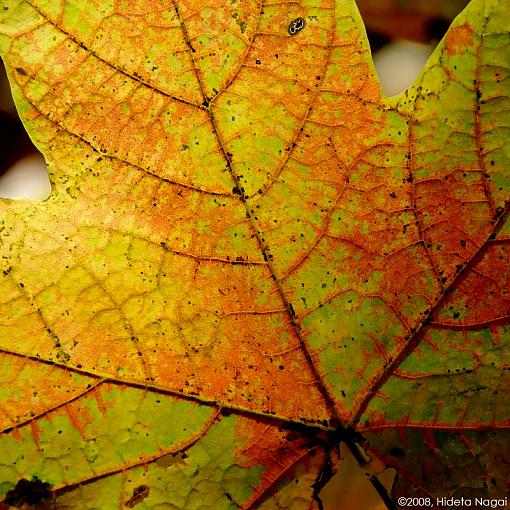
170, 459
459, 39
139, 494
28, 492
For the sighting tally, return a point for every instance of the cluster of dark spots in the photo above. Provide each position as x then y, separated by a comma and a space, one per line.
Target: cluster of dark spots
267, 256
463, 371
28, 492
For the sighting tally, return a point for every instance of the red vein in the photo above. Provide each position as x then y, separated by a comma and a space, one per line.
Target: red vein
416, 336
146, 459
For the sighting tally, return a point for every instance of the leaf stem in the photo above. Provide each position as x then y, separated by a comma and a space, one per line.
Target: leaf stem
376, 483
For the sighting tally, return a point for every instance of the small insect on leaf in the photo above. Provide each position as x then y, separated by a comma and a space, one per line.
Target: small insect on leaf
296, 26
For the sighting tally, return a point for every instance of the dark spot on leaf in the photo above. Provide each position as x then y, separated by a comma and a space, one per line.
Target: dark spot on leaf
296, 26
397, 452
139, 494
28, 492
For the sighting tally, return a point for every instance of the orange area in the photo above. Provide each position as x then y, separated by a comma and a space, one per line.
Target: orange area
459, 39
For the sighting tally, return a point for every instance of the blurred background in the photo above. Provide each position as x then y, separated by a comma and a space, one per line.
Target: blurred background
402, 35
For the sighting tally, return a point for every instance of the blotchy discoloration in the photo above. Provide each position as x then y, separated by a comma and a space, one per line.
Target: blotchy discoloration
273, 239
459, 39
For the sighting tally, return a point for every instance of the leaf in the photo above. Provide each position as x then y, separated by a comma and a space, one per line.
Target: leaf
249, 257
469, 464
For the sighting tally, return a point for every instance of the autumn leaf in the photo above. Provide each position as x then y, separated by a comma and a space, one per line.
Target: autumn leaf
250, 256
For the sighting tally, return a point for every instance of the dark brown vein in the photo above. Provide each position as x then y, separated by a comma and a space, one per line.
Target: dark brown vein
191, 397
143, 170
108, 63
478, 122
416, 336
329, 399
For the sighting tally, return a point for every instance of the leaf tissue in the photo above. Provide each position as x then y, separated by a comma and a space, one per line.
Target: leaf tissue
250, 256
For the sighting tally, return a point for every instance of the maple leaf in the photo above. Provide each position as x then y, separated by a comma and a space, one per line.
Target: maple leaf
250, 256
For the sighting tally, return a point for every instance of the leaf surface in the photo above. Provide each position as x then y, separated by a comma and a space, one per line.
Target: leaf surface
249, 255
